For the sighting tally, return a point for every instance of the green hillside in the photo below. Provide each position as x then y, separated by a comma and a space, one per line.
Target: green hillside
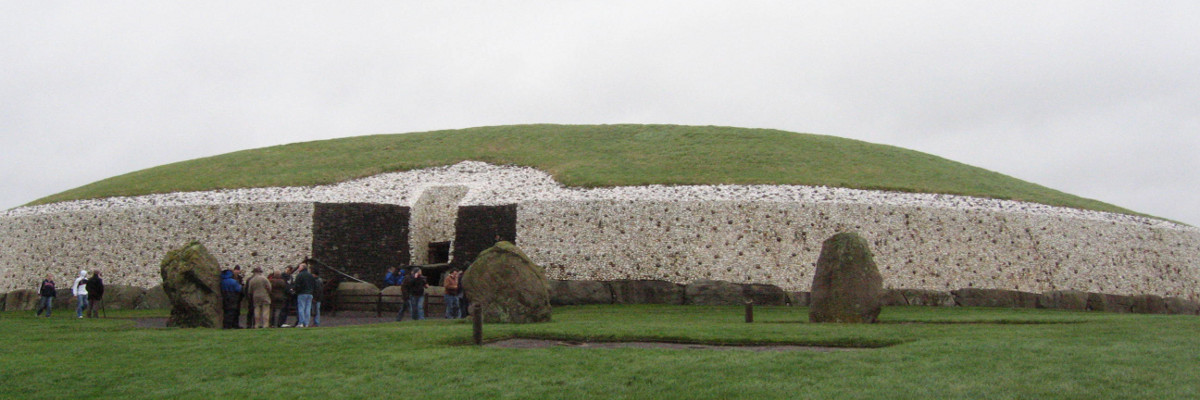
592, 156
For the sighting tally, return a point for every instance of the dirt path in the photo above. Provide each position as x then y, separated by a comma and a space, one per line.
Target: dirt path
538, 343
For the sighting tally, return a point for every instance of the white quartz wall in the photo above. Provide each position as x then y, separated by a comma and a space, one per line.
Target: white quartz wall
914, 246
127, 244
432, 219
754, 233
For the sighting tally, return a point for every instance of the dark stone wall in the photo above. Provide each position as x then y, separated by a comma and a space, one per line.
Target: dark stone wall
477, 228
360, 238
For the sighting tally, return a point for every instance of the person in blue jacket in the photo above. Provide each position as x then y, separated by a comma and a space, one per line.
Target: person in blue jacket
231, 300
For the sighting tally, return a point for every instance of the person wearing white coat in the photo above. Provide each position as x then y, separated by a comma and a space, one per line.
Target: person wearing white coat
79, 289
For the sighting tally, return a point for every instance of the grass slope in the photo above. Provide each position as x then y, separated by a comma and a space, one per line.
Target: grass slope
958, 353
592, 156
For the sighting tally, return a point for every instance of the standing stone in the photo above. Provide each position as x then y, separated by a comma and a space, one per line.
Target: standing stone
508, 286
847, 286
191, 281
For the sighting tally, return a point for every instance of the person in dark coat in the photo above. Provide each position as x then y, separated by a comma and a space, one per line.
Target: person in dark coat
305, 285
414, 288
48, 294
231, 299
95, 289
290, 291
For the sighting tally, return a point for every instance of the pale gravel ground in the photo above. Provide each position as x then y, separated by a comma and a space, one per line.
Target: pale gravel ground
491, 185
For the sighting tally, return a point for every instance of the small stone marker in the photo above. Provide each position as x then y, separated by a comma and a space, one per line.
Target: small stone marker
847, 286
508, 287
191, 281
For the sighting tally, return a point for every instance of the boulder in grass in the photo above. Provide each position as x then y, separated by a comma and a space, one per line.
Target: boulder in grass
191, 281
1149, 304
21, 300
972, 297
155, 298
847, 286
1180, 306
893, 297
507, 286
646, 292
764, 294
564, 293
925, 297
799, 299
122, 297
713, 293
1064, 300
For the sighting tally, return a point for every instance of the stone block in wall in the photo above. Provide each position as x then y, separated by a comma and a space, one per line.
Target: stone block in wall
1064, 300
155, 298
21, 300
646, 292
924, 297
799, 299
361, 239
1148, 304
122, 297
713, 293
1180, 306
972, 297
478, 228
764, 294
566, 292
356, 296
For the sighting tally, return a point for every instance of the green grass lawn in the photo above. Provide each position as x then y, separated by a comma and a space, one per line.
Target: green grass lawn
594, 156
928, 353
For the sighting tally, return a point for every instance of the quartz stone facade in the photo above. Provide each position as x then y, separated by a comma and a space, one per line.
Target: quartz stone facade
742, 234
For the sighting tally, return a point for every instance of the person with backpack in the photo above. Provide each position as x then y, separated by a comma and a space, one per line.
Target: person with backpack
451, 296
79, 290
48, 293
95, 290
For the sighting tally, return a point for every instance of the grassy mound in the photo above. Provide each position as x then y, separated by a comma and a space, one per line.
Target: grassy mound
593, 156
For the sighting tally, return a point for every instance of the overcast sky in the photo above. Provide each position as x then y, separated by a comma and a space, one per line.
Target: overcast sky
1098, 99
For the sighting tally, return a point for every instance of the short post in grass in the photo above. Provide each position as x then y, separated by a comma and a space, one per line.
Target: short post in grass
749, 311
477, 324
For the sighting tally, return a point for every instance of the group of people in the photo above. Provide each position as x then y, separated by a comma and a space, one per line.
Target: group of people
413, 283
88, 292
270, 297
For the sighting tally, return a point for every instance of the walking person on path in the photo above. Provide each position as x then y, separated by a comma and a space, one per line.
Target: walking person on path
79, 290
95, 291
48, 293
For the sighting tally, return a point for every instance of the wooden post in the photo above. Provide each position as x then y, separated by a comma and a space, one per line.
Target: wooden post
379, 305
477, 324
749, 311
